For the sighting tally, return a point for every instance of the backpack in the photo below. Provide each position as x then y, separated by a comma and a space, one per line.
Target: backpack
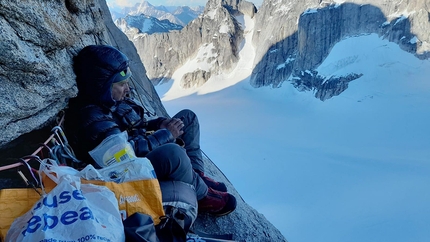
139, 227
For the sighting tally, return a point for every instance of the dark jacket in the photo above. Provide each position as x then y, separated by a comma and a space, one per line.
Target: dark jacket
88, 125
93, 115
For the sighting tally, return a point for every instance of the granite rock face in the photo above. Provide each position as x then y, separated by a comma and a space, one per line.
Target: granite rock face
215, 32
38, 42
303, 33
289, 37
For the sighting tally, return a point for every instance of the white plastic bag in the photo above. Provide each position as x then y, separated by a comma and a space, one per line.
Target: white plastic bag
71, 211
131, 170
113, 149
118, 161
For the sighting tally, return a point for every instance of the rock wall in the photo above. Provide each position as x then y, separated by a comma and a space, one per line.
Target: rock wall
302, 34
163, 53
37, 42
289, 37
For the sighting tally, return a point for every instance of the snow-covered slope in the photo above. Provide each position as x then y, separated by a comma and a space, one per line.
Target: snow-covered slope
353, 168
202, 61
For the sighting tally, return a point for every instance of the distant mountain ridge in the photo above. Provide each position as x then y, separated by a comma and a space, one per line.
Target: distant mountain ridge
133, 25
291, 39
179, 15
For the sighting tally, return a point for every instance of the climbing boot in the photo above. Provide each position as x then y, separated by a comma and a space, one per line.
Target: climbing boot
217, 203
219, 186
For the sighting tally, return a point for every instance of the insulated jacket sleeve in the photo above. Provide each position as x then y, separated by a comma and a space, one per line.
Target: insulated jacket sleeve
129, 116
154, 124
143, 144
95, 124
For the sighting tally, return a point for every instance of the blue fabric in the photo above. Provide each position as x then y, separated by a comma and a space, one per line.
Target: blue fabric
96, 67
121, 76
171, 163
89, 124
191, 138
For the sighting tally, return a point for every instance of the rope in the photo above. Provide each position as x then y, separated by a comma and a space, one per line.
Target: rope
18, 164
135, 83
34, 154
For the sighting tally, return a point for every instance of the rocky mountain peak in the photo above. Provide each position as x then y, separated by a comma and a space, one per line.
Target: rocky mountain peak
145, 7
183, 9
289, 37
235, 7
213, 39
181, 15
311, 28
133, 25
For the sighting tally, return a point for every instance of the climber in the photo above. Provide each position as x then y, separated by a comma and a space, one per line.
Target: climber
103, 108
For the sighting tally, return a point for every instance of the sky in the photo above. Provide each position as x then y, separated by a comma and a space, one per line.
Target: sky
191, 3
352, 168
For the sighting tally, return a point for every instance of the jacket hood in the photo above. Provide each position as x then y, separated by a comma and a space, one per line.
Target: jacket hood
97, 67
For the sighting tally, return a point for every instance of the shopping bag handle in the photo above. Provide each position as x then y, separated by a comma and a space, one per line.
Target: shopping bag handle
56, 173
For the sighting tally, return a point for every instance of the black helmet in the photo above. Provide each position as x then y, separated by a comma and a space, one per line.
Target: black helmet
97, 67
